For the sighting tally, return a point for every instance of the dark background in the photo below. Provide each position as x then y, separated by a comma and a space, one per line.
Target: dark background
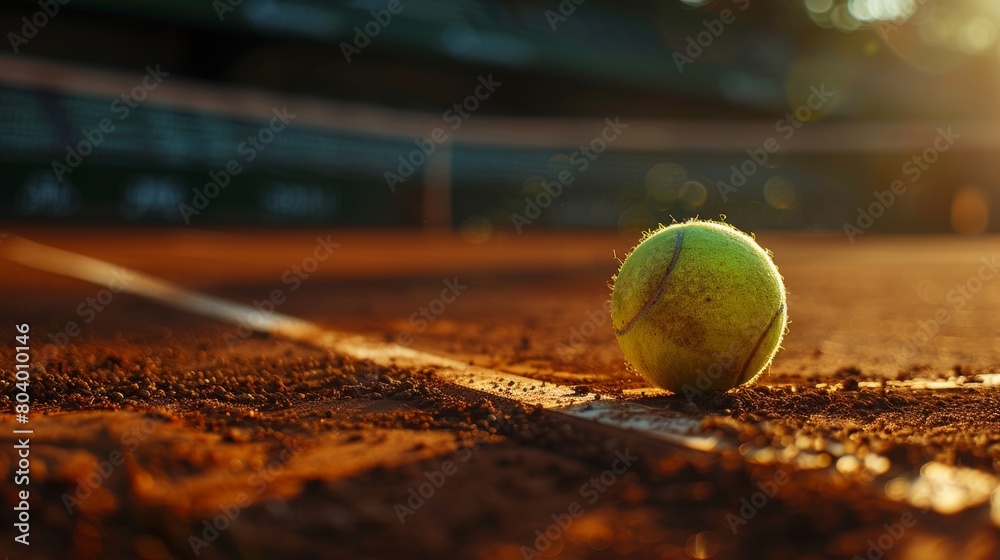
897, 81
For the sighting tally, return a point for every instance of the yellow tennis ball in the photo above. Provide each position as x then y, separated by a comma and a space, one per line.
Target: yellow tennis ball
698, 306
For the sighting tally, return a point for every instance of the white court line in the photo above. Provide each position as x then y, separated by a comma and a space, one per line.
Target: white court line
947, 491
559, 398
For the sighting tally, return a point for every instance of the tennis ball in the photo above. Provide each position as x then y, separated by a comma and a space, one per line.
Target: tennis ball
698, 306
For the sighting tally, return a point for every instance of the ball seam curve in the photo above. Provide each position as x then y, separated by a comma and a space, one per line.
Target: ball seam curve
756, 347
659, 289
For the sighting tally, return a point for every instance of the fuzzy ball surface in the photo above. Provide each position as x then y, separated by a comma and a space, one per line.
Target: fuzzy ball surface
698, 306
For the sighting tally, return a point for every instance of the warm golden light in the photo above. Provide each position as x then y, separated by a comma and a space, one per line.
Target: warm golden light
693, 195
882, 10
977, 35
819, 6
780, 193
970, 211
476, 229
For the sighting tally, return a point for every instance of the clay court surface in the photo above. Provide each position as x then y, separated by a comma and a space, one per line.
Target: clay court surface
308, 454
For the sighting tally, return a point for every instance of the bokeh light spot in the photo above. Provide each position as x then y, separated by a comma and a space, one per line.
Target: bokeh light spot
476, 229
780, 193
977, 35
882, 10
703, 545
844, 20
970, 211
693, 195
819, 6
